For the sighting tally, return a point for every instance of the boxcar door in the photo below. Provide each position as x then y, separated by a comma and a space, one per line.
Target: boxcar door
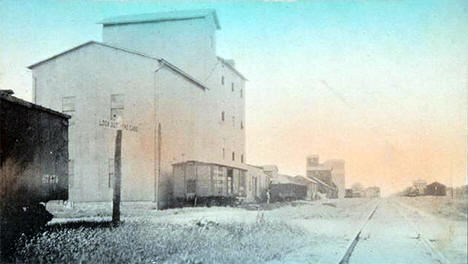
255, 186
230, 186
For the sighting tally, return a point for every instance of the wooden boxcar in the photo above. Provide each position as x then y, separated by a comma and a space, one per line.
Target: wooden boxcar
287, 192
200, 183
33, 163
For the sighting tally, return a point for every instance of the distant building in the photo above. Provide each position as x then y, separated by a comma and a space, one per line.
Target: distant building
258, 182
325, 190
312, 186
287, 188
270, 170
358, 190
323, 173
337, 174
436, 189
312, 161
372, 192
317, 170
349, 193
160, 74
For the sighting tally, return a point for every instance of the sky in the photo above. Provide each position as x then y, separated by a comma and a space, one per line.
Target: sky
381, 84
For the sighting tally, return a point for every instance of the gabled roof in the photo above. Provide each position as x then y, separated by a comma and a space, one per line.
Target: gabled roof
160, 60
227, 64
161, 17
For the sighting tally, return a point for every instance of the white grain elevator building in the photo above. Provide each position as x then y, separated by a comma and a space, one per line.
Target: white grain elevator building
161, 75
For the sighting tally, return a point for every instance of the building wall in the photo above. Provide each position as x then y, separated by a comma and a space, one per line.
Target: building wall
230, 133
311, 191
91, 75
189, 129
189, 44
255, 174
181, 118
312, 161
372, 192
338, 174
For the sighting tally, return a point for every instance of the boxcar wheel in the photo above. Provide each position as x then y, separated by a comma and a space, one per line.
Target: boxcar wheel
16, 220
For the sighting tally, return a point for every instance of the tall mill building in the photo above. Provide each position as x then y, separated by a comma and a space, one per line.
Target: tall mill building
160, 74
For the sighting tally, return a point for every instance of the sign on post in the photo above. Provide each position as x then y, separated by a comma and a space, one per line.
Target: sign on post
119, 125
117, 179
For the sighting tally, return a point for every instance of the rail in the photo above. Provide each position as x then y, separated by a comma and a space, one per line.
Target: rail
353, 243
435, 253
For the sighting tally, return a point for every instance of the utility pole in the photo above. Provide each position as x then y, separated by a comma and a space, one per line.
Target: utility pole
117, 178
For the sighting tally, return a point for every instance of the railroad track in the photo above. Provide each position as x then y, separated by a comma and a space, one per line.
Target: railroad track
357, 236
435, 255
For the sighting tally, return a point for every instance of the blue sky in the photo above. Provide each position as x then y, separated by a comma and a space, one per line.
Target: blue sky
382, 84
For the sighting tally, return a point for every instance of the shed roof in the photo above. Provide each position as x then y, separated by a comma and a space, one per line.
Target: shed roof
161, 17
16, 100
282, 178
160, 60
207, 163
302, 178
321, 182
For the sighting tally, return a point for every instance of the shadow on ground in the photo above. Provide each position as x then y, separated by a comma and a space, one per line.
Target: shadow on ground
79, 224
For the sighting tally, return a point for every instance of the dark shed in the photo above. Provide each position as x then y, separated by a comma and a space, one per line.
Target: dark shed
348, 193
436, 188
287, 191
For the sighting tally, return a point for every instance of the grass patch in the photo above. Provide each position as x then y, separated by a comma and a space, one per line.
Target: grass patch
144, 241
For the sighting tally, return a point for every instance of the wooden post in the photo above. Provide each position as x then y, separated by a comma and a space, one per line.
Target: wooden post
117, 178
